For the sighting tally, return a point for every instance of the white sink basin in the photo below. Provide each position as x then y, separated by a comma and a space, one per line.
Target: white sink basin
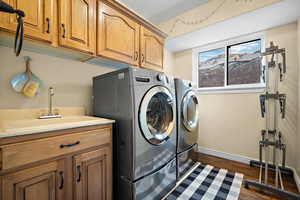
22, 127
42, 122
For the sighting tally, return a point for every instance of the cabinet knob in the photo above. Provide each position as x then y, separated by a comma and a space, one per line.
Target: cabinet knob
136, 55
69, 145
143, 58
61, 186
63, 30
48, 25
79, 174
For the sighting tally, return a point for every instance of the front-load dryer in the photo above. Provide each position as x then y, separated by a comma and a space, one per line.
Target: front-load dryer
187, 125
143, 103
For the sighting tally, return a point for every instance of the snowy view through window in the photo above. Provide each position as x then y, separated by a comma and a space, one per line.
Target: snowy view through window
244, 65
211, 68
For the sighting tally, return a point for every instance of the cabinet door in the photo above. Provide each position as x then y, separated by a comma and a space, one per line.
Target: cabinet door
152, 50
42, 182
93, 176
77, 25
118, 35
39, 21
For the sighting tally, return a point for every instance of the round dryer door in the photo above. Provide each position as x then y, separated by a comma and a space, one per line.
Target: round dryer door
189, 111
157, 115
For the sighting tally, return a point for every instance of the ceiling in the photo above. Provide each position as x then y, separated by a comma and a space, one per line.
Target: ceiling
277, 14
158, 11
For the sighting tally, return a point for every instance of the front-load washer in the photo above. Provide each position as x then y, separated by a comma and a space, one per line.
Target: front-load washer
187, 125
143, 103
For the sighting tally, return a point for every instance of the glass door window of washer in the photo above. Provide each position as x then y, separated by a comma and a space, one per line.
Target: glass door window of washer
157, 115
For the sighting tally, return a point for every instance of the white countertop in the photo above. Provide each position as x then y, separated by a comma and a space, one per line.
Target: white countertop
10, 128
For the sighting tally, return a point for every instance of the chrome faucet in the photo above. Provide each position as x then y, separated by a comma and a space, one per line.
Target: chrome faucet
51, 94
50, 110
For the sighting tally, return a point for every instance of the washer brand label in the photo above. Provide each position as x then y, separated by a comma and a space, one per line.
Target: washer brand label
121, 76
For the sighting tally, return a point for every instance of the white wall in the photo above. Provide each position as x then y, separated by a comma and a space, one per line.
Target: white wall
298, 141
183, 64
232, 123
168, 62
71, 79
286, 37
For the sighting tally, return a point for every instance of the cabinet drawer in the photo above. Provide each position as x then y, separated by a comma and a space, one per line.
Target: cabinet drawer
14, 155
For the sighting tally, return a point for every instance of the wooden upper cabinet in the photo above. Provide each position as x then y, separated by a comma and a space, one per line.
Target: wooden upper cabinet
77, 23
102, 28
44, 182
39, 22
93, 175
118, 35
152, 50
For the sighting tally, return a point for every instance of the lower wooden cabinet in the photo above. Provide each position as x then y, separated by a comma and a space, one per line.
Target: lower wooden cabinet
44, 182
83, 171
92, 175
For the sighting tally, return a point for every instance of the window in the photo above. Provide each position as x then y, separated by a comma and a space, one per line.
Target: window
230, 65
244, 63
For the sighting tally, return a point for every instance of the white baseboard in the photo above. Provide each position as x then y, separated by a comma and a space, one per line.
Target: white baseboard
241, 159
228, 156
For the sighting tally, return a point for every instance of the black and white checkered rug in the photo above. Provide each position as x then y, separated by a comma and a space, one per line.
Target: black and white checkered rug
208, 183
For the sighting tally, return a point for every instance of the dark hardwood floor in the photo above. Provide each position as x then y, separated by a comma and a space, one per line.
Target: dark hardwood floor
251, 173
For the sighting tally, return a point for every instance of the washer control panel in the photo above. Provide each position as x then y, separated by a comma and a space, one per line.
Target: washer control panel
144, 77
162, 78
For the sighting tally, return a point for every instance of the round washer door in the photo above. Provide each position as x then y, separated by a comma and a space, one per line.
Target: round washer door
157, 115
189, 111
